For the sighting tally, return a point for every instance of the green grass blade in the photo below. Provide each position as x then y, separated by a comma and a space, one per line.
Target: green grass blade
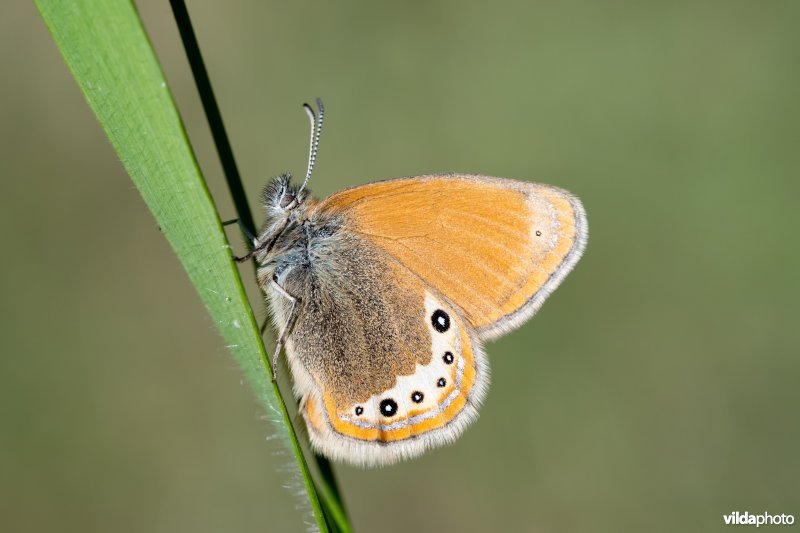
108, 52
331, 496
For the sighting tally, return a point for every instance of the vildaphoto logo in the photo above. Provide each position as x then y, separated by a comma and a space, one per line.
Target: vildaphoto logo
746, 519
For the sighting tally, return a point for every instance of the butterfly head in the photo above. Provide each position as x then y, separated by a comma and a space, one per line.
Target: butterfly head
280, 198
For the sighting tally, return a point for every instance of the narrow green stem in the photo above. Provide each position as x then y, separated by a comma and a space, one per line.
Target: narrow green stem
331, 496
334, 514
213, 114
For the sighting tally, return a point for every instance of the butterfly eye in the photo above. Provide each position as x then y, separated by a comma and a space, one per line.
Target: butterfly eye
286, 200
440, 321
417, 396
359, 410
441, 383
388, 407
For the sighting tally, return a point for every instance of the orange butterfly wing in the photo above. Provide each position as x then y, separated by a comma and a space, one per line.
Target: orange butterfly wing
494, 247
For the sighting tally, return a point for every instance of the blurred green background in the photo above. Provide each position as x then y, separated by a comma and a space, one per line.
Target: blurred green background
656, 391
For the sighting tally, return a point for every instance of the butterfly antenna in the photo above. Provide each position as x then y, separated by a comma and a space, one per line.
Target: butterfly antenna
316, 131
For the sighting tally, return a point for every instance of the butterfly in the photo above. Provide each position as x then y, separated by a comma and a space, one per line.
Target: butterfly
383, 295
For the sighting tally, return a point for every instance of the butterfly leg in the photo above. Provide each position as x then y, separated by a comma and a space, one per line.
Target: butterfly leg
245, 230
287, 327
264, 245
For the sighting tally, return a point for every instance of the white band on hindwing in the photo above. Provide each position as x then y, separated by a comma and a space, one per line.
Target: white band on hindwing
434, 368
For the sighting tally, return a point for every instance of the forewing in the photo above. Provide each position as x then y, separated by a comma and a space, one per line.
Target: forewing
494, 247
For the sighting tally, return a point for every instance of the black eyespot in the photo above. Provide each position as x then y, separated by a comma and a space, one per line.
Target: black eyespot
359, 410
417, 396
538, 233
441, 383
388, 407
440, 321
448, 358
